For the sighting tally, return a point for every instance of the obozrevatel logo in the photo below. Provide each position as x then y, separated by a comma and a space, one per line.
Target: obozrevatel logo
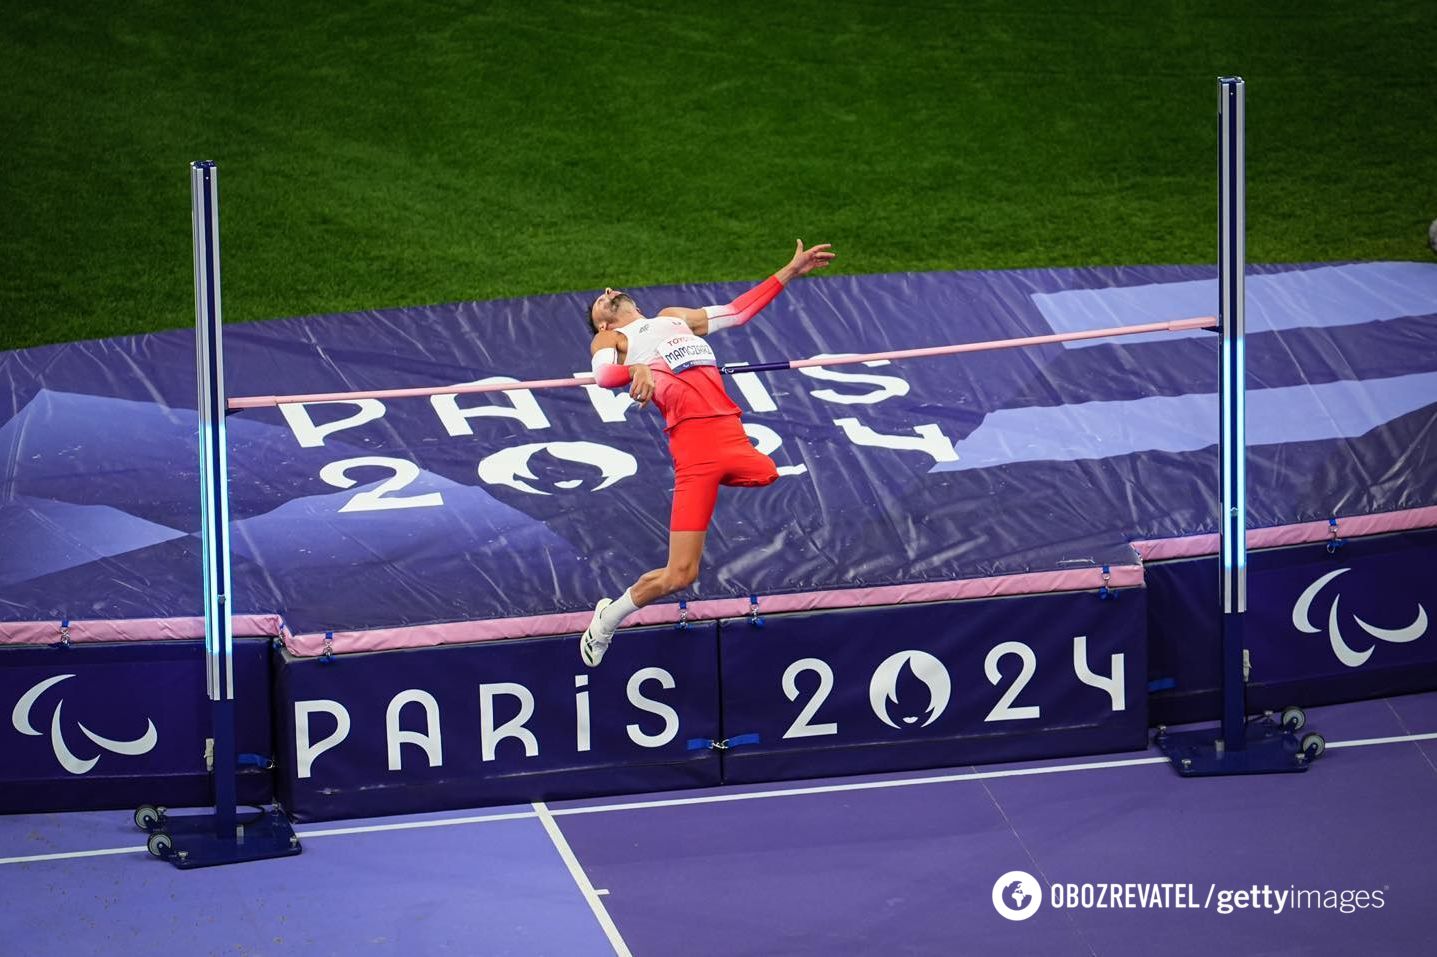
883, 689
1017, 895
1340, 647
511, 466
20, 718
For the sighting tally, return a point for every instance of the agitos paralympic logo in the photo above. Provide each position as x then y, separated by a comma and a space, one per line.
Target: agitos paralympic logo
1349, 656
20, 718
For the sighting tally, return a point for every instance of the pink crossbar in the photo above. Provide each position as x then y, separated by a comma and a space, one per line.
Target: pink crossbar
1178, 325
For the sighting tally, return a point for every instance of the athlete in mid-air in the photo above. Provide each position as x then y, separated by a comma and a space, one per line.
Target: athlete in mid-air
664, 359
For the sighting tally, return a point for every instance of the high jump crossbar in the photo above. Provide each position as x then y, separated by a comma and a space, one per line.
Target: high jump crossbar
1177, 325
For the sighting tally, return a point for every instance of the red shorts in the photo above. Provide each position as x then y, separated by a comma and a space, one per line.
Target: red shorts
709, 452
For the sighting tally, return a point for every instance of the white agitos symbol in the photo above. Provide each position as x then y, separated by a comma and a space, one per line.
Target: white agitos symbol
884, 686
20, 718
511, 466
1340, 647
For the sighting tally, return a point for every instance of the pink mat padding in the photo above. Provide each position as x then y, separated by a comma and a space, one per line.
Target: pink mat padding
1358, 526
135, 629
574, 623
461, 632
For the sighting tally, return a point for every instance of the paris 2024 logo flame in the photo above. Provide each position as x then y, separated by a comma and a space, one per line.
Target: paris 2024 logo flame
926, 671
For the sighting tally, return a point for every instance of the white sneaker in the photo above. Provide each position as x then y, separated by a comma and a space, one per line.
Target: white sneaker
593, 645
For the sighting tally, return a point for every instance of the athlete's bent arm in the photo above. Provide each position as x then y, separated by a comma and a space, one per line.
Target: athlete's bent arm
611, 374
708, 319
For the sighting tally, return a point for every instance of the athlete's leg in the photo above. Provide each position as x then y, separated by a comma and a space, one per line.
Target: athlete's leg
751, 471
686, 549
732, 460
695, 493
685, 552
744, 465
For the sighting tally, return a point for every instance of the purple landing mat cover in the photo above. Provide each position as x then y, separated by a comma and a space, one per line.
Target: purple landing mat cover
118, 725
364, 516
1323, 624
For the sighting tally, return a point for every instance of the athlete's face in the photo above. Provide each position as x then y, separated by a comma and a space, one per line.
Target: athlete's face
613, 309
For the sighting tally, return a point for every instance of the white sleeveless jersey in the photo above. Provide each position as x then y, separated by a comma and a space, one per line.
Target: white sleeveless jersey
668, 340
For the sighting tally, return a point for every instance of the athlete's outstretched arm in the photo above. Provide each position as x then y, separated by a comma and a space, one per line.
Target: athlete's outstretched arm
713, 318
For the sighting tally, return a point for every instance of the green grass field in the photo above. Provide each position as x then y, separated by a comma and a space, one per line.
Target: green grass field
384, 154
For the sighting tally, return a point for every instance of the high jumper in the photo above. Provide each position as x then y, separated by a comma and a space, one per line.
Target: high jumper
664, 359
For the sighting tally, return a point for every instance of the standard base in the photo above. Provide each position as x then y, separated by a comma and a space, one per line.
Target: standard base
1270, 749
191, 841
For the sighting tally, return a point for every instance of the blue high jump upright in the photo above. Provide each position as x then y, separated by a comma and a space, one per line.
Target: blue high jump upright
1266, 744
219, 838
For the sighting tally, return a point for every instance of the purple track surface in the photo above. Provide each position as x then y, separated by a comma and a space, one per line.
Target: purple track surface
895, 864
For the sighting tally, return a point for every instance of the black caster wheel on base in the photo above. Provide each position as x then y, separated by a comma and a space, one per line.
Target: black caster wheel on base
148, 817
1294, 719
1312, 746
160, 845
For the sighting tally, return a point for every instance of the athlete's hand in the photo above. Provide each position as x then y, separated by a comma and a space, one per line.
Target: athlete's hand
641, 385
806, 261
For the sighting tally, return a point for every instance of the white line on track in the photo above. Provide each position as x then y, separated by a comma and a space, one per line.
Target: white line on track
715, 798
857, 786
1363, 742
412, 825
582, 879
68, 855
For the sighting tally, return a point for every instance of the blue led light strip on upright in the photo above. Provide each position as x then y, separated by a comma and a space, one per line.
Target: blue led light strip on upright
214, 491
1232, 403
214, 494
1232, 410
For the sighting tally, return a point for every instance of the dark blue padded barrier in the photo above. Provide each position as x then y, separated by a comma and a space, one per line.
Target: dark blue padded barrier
911, 686
498, 722
904, 687
1312, 614
118, 725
